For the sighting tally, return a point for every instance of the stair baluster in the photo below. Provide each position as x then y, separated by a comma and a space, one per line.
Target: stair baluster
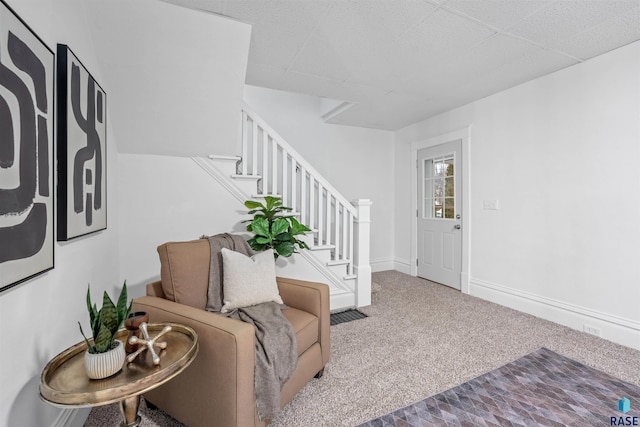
282, 171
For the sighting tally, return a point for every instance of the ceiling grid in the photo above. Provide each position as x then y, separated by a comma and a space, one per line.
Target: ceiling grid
401, 61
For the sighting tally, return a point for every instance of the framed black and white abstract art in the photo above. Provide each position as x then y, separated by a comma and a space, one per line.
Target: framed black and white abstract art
82, 149
27, 69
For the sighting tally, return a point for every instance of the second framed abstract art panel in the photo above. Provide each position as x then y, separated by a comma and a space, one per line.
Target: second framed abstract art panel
82, 149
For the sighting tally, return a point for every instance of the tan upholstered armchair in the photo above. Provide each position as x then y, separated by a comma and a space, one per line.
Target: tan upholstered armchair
217, 389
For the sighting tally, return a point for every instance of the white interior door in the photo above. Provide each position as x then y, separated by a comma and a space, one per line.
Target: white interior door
440, 213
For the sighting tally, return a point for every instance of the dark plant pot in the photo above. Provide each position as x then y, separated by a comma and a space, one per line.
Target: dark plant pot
132, 324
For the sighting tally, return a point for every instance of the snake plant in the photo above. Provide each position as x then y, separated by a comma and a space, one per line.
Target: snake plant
273, 228
106, 321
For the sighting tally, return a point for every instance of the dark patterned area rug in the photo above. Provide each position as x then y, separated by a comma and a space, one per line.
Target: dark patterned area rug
540, 389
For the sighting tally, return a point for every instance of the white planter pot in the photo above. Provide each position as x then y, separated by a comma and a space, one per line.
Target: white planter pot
103, 365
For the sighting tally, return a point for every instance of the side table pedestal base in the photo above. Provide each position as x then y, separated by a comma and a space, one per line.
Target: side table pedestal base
129, 410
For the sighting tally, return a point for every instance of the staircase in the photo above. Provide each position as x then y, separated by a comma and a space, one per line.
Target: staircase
339, 241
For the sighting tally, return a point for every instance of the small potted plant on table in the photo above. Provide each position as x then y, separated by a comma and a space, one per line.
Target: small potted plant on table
105, 354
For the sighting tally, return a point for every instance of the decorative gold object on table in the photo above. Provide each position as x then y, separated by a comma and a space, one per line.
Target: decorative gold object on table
132, 324
147, 343
64, 382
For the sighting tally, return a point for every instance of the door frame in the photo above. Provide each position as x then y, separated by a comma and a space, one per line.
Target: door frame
464, 135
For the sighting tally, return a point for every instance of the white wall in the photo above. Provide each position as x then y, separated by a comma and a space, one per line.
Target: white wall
38, 318
174, 76
356, 161
153, 60
561, 155
165, 199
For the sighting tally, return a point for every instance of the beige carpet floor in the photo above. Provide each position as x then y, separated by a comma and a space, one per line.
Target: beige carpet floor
420, 338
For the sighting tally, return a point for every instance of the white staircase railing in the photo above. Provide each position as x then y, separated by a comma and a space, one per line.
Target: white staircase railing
284, 173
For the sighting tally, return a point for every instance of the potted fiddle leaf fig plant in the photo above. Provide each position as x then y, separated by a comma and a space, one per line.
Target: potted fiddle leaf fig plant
105, 354
274, 228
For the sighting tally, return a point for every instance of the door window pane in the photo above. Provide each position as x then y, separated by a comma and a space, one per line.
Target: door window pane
449, 208
449, 163
438, 198
438, 207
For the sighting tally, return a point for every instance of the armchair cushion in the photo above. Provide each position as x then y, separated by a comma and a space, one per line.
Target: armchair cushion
184, 270
305, 326
248, 280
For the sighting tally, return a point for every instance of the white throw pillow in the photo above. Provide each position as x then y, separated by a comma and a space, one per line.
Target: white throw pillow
248, 281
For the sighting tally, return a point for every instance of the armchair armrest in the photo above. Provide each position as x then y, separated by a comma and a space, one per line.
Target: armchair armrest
154, 289
222, 372
312, 297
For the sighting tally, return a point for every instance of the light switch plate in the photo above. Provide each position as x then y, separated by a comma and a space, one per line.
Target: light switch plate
490, 205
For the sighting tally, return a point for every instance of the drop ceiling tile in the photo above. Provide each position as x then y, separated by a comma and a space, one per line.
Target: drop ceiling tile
279, 27
276, 47
361, 61
501, 14
215, 6
506, 76
522, 70
356, 39
368, 18
372, 68
392, 117
354, 93
388, 112
405, 114
492, 53
323, 58
616, 32
382, 79
443, 34
471, 64
563, 19
388, 18
361, 115
308, 84
283, 13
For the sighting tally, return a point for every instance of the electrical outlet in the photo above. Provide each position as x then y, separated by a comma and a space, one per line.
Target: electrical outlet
592, 330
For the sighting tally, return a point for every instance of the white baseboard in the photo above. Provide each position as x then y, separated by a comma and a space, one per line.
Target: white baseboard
382, 265
402, 265
464, 283
341, 301
613, 328
72, 417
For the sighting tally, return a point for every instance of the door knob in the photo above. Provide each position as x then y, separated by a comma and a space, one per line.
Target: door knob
457, 226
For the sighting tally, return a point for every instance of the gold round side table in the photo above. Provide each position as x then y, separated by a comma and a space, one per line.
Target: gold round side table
64, 382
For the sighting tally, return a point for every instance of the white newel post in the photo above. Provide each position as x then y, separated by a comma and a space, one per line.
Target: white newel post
362, 238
